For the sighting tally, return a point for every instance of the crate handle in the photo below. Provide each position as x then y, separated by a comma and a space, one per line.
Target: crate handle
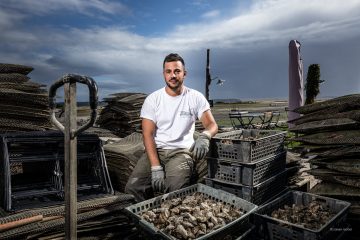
321, 200
226, 141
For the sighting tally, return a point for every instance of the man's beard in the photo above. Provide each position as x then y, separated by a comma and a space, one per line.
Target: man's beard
176, 87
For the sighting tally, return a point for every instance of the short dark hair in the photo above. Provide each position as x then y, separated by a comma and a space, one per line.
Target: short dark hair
173, 57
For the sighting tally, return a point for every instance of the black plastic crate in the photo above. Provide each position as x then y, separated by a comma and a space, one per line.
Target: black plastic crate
247, 145
152, 232
32, 169
249, 174
273, 228
257, 194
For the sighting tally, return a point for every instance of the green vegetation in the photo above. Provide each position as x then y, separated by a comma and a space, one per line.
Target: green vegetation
312, 83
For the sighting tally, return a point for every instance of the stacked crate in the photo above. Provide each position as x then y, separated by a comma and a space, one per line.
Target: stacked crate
249, 163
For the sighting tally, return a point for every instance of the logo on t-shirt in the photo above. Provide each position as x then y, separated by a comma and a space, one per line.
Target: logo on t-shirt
185, 114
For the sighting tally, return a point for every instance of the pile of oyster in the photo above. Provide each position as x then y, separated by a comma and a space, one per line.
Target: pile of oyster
192, 216
312, 216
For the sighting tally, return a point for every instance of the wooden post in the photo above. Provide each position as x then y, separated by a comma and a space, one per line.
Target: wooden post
70, 140
70, 161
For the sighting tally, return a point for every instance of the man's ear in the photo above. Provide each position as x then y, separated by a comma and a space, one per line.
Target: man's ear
185, 72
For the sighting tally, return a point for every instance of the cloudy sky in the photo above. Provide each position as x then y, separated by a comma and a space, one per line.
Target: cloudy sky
121, 44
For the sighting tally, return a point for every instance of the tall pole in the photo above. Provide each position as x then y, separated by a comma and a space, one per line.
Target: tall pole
208, 77
70, 161
70, 140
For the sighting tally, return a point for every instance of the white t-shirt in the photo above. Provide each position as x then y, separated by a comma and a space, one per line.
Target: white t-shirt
174, 117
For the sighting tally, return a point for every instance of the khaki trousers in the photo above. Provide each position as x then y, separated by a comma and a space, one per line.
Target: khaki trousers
178, 167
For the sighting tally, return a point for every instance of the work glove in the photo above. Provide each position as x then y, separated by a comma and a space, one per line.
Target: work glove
157, 178
201, 146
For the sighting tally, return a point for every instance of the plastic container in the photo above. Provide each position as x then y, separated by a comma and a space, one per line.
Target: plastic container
278, 229
247, 145
135, 210
257, 194
249, 174
32, 169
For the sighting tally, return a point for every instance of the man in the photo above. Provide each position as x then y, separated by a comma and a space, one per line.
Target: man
168, 124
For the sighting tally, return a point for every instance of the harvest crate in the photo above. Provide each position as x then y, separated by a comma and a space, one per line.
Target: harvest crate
279, 229
32, 169
257, 194
247, 145
135, 210
249, 174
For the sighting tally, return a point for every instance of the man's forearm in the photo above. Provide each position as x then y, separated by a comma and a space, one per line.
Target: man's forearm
211, 130
208, 121
150, 148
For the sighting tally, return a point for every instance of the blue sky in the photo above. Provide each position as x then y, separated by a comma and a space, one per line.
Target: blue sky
121, 44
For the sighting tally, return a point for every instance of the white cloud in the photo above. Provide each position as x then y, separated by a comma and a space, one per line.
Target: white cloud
211, 14
122, 60
9, 19
40, 7
271, 21
200, 2
267, 21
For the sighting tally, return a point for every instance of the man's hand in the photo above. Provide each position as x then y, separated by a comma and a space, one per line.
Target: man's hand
201, 146
157, 178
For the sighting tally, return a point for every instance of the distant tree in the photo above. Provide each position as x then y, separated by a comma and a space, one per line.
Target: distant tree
312, 83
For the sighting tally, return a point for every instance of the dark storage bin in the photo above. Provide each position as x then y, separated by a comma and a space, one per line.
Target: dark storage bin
135, 210
257, 194
249, 174
32, 169
247, 145
278, 229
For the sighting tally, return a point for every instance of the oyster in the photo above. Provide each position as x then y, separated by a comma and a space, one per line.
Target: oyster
312, 216
192, 216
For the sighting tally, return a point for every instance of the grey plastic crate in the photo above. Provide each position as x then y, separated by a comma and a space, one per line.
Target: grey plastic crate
257, 194
279, 229
135, 210
237, 146
249, 174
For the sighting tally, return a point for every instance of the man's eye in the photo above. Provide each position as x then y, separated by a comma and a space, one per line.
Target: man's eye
178, 71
